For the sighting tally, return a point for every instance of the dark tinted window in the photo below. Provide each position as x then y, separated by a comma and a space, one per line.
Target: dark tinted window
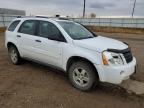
29, 27
13, 25
47, 29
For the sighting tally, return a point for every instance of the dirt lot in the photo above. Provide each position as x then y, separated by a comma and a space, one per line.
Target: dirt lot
34, 86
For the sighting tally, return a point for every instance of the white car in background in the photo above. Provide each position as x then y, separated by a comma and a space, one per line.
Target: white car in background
66, 45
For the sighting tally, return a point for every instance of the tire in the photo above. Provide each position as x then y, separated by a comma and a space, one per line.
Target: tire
14, 55
82, 76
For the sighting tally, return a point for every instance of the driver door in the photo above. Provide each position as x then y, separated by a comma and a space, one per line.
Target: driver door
47, 48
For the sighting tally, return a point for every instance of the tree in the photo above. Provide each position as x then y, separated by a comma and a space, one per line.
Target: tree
92, 15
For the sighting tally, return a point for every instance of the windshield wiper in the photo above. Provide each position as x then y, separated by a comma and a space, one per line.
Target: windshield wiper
80, 38
89, 37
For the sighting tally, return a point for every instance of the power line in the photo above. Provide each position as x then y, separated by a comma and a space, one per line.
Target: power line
133, 8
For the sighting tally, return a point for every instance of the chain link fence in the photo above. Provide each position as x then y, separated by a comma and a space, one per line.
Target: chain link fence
112, 22
104, 22
6, 19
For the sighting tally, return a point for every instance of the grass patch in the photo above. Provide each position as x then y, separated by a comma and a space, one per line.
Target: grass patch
116, 30
2, 29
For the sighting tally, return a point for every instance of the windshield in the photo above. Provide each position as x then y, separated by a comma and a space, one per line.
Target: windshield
76, 31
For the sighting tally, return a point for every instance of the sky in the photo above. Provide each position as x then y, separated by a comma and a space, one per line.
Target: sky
75, 7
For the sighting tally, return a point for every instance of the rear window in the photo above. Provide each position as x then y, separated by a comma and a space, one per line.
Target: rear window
13, 25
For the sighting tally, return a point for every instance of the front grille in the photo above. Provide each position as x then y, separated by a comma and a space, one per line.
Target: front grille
128, 56
126, 52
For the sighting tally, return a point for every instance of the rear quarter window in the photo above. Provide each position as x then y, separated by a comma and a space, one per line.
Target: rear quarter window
13, 25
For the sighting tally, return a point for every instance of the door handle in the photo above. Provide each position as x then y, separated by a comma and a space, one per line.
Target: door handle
38, 41
18, 36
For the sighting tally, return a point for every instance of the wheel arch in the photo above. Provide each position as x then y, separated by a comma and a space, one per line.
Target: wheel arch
73, 59
11, 44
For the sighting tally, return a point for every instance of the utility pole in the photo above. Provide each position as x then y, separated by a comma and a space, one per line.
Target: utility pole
84, 9
133, 8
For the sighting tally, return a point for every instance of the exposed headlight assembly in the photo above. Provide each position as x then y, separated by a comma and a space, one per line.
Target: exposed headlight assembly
112, 59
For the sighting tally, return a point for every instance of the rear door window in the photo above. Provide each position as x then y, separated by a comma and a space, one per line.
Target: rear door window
13, 25
29, 27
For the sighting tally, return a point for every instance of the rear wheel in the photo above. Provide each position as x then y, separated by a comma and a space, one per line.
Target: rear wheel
14, 55
82, 76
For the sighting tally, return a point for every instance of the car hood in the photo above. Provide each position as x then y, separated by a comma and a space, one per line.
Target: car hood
100, 44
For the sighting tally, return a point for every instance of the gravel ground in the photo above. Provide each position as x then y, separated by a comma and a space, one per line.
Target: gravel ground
31, 85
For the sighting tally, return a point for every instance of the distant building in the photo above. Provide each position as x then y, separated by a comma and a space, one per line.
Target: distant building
12, 12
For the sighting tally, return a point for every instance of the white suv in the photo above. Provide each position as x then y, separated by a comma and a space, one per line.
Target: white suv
67, 45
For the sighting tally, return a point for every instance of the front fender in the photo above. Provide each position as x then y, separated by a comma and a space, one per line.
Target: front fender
92, 56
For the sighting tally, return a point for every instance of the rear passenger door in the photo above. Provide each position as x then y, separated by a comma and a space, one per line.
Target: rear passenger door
27, 38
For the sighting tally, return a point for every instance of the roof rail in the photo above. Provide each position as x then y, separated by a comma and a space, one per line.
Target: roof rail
41, 16
31, 17
25, 16
19, 16
60, 18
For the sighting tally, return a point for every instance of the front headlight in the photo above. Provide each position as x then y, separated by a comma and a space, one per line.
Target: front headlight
111, 58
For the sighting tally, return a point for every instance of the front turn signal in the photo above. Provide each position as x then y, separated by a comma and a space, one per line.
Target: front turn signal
105, 60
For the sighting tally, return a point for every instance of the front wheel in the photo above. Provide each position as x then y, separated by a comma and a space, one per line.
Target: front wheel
82, 76
14, 55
